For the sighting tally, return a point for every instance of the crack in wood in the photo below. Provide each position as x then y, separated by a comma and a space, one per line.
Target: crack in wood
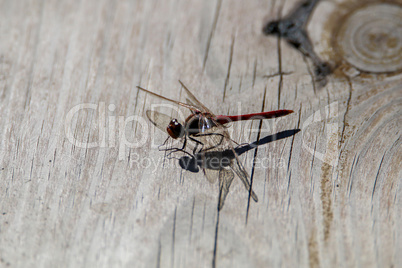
255, 157
229, 67
214, 255
211, 33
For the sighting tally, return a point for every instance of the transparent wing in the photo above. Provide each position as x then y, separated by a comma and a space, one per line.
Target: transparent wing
193, 108
194, 101
188, 101
217, 139
238, 168
211, 174
160, 120
225, 180
236, 165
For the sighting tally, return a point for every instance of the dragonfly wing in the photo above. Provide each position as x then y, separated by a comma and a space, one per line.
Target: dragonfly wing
238, 168
188, 101
225, 180
195, 102
211, 174
160, 120
217, 139
236, 164
174, 101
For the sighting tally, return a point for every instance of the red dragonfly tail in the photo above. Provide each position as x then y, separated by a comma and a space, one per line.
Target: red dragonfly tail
224, 119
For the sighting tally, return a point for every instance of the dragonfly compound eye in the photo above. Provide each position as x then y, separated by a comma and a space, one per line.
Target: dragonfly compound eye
175, 129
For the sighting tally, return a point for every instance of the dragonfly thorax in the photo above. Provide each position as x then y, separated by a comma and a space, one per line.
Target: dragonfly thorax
198, 123
175, 129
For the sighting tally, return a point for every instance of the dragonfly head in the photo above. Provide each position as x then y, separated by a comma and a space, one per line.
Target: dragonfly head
175, 129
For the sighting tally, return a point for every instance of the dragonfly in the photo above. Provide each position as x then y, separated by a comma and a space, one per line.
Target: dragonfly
212, 145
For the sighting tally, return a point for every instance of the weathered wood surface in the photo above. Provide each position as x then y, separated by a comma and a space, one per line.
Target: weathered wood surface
329, 196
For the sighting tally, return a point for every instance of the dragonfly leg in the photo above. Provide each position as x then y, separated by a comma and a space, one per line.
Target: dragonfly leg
174, 150
184, 143
214, 146
163, 144
197, 143
241, 144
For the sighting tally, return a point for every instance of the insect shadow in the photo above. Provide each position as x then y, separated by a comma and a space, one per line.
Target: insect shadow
220, 159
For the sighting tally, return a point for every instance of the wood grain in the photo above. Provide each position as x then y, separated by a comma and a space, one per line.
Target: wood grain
329, 196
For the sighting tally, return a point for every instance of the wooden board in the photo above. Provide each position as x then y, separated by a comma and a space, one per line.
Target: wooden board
74, 194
